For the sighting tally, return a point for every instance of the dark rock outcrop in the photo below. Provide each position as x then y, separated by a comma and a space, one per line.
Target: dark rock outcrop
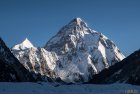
126, 71
10, 68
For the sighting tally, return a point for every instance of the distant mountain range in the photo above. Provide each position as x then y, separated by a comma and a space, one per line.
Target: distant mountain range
76, 54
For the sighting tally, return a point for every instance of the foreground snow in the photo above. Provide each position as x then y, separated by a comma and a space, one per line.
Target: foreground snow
44, 88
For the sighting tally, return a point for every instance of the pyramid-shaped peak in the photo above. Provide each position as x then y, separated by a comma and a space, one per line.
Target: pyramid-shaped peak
26, 41
24, 45
78, 21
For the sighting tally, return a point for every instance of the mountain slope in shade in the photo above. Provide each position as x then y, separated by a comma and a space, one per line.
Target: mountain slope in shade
74, 54
126, 71
10, 68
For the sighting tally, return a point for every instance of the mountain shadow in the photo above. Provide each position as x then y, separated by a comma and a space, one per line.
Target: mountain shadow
126, 71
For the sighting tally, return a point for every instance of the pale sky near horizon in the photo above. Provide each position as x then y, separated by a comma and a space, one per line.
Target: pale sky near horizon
39, 20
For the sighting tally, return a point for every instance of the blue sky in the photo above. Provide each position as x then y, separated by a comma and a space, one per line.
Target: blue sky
39, 20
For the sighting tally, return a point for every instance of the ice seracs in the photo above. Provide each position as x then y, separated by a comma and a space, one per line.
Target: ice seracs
24, 45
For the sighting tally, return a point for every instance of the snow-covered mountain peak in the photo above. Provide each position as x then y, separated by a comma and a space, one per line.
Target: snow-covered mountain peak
24, 45
82, 51
74, 54
27, 43
77, 22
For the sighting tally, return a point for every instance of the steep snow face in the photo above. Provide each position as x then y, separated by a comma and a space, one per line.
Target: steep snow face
24, 45
82, 52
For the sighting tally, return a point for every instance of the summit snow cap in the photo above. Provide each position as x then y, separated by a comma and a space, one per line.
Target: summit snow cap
78, 22
24, 45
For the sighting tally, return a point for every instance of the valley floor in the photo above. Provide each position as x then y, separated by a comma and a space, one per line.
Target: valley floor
44, 88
